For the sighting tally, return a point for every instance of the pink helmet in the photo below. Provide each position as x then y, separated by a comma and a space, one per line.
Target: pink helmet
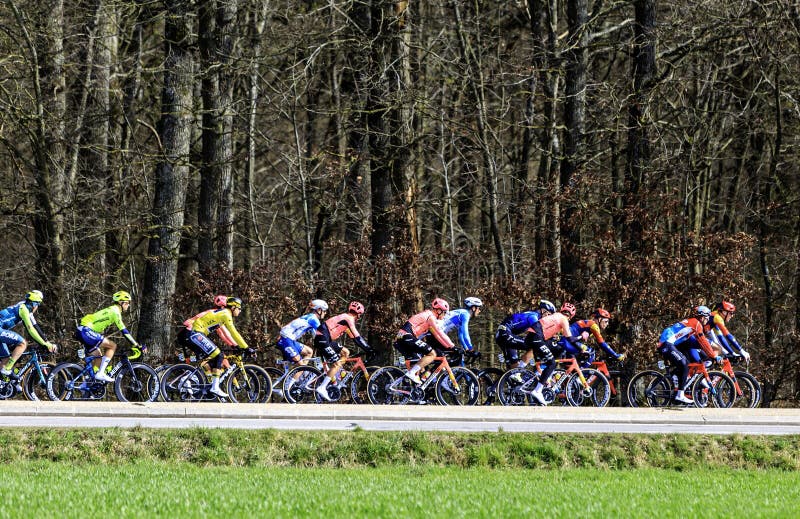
569, 309
356, 307
220, 301
440, 304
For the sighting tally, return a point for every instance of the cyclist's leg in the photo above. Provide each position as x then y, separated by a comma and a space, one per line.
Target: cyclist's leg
12, 345
678, 361
510, 344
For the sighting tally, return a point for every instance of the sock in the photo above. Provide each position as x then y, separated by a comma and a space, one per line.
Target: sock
539, 387
414, 369
325, 382
104, 363
9, 365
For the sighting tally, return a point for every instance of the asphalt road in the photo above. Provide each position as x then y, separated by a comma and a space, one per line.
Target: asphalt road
393, 418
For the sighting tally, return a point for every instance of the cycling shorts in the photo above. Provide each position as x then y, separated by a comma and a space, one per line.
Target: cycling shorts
290, 348
88, 337
411, 347
197, 342
8, 339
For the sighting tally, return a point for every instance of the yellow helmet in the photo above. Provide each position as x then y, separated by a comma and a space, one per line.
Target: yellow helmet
121, 296
34, 296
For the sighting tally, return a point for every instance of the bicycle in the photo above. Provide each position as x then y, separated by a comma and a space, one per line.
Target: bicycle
30, 379
278, 375
651, 388
185, 382
577, 386
351, 384
133, 382
452, 386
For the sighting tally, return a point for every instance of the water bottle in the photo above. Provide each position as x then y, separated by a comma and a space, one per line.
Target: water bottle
81, 353
181, 357
501, 358
661, 365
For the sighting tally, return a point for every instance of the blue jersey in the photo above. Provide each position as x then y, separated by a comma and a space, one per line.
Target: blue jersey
300, 326
458, 319
10, 317
518, 323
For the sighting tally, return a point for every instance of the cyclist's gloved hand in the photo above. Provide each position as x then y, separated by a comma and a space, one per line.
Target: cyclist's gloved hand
718, 359
363, 344
51, 347
621, 357
745, 355
474, 355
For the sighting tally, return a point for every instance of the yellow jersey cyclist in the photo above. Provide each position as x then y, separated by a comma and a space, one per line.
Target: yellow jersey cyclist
92, 329
195, 333
11, 343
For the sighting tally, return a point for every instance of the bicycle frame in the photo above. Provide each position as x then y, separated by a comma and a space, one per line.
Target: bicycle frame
444, 365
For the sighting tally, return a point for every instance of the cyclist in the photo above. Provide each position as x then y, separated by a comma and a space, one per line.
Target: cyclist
508, 333
334, 353
722, 313
93, 326
675, 344
411, 344
459, 320
12, 344
195, 333
586, 327
293, 350
540, 342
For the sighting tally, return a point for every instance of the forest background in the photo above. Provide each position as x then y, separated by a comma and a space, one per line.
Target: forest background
635, 155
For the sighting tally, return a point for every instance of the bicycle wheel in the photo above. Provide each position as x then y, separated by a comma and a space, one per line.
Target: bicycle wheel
358, 388
755, 398
748, 393
33, 387
139, 385
488, 379
277, 376
68, 381
300, 384
722, 393
466, 390
252, 387
182, 383
649, 389
381, 386
515, 385
597, 394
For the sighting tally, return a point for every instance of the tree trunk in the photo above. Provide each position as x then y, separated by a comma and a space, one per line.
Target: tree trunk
174, 130
577, 59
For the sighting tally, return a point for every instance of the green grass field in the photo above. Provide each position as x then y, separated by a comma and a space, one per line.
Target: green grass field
223, 473
35, 489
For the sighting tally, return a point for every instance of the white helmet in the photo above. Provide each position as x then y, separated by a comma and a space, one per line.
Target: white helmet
318, 304
472, 301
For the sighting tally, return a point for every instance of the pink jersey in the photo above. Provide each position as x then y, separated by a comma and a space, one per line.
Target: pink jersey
554, 323
426, 322
342, 323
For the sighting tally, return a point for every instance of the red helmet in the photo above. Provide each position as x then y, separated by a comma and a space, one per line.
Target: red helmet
220, 301
569, 309
602, 313
440, 304
727, 306
356, 307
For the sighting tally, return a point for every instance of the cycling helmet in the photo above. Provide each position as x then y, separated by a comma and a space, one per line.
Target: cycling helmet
544, 304
121, 297
34, 296
356, 307
702, 311
318, 304
220, 301
725, 305
602, 313
568, 309
233, 302
440, 304
472, 301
